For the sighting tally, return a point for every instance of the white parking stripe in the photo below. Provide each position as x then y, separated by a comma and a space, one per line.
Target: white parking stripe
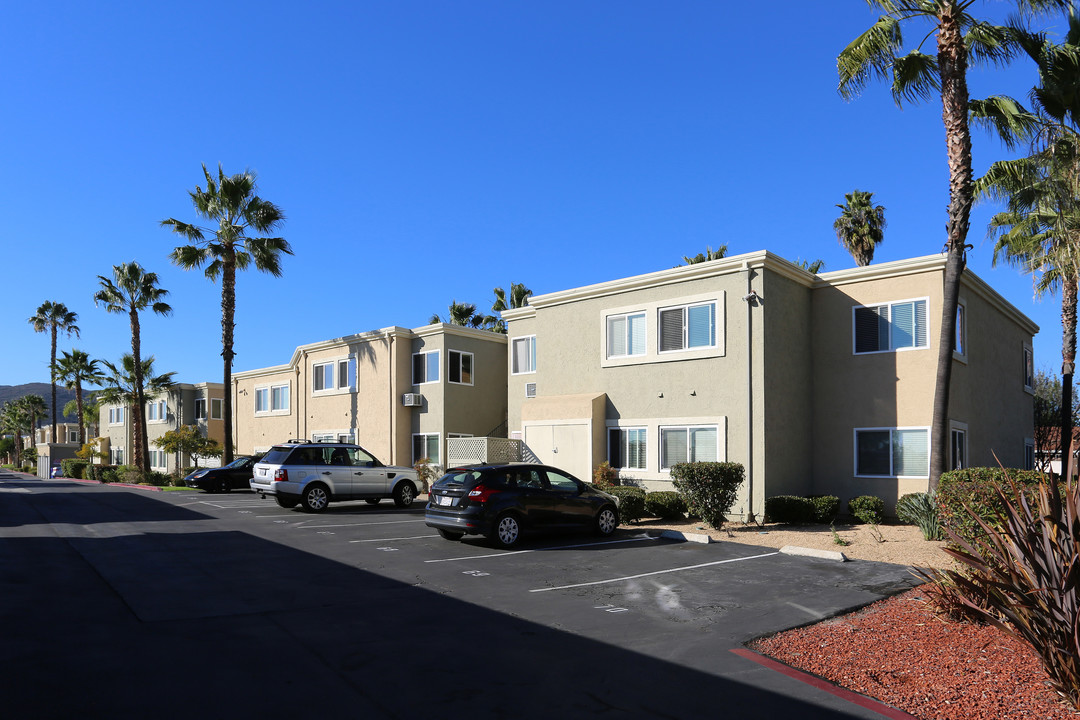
636, 538
414, 537
658, 572
391, 522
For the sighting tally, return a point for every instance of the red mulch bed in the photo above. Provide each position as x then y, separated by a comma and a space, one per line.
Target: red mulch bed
900, 653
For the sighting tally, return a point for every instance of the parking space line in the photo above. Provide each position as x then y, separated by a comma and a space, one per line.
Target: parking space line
636, 538
389, 522
414, 537
658, 572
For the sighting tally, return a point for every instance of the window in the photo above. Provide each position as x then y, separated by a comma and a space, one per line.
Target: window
268, 399
626, 448
337, 375
425, 367
688, 444
523, 355
460, 367
426, 445
157, 459
216, 405
73, 436
116, 456
1029, 454
894, 326
957, 449
626, 335
156, 411
892, 452
687, 327
1029, 368
200, 409
960, 336
561, 482
116, 416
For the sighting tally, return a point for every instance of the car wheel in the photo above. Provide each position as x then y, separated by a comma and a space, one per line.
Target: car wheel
315, 498
606, 521
450, 534
404, 494
225, 486
507, 530
372, 501
286, 502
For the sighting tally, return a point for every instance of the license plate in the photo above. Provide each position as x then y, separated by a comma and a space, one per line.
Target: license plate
262, 471
443, 500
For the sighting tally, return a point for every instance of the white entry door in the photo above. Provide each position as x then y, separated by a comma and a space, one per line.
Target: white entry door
563, 445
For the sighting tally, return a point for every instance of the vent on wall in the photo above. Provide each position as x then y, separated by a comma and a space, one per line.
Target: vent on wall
530, 390
412, 399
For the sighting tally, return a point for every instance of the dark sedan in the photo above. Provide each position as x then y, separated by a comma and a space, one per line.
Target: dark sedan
236, 475
501, 502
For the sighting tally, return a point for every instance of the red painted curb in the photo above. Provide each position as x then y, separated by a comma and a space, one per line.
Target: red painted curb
151, 488
823, 684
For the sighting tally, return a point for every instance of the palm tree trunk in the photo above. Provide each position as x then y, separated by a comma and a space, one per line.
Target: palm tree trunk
1068, 359
952, 64
52, 379
79, 405
138, 415
228, 313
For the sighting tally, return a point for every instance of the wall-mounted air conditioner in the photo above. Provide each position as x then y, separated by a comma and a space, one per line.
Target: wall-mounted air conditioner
412, 399
530, 390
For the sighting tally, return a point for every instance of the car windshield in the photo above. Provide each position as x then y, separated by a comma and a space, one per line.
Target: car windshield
238, 462
277, 455
466, 478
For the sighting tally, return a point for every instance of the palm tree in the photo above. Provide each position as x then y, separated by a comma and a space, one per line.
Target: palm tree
54, 318
917, 76
131, 291
861, 226
28, 409
231, 203
465, 315
706, 256
811, 267
519, 297
127, 384
74, 369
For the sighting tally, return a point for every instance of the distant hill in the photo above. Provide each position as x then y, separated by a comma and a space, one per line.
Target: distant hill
63, 395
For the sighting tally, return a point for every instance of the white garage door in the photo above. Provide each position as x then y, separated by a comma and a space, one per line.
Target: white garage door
565, 446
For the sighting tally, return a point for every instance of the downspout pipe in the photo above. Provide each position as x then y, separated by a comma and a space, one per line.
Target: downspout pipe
751, 300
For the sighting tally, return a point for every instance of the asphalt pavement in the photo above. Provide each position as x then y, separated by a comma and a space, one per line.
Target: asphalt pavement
122, 603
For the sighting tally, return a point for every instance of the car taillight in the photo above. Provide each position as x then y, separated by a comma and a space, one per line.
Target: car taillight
281, 475
480, 493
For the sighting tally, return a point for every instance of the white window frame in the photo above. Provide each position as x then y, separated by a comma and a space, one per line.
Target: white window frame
330, 369
960, 336
686, 308
200, 408
270, 397
116, 456
1028, 368
628, 338
1029, 453
660, 441
73, 436
155, 455
891, 304
116, 415
460, 363
653, 339
347, 436
438, 447
954, 429
890, 430
530, 340
430, 363
157, 412
624, 444
217, 408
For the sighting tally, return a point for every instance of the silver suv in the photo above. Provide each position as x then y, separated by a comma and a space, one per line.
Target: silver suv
313, 474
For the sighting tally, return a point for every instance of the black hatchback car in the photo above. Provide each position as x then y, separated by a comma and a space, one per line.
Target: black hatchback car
234, 476
501, 502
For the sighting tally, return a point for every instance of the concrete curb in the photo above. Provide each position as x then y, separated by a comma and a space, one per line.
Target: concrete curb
811, 552
149, 488
686, 537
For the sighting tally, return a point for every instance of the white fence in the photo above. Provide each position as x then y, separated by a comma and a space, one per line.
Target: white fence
477, 450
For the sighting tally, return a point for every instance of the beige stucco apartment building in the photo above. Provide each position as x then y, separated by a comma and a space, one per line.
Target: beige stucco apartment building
817, 384
184, 404
400, 393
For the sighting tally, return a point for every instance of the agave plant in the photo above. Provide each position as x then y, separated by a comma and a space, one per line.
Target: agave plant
1023, 576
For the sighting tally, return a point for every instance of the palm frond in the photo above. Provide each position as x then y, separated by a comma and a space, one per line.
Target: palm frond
871, 55
915, 78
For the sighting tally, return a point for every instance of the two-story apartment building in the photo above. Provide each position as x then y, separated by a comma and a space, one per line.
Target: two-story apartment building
815, 383
400, 393
199, 404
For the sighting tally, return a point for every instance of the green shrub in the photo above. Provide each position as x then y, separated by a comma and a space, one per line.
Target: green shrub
867, 509
605, 476
976, 488
709, 488
99, 472
825, 507
665, 504
73, 468
789, 509
631, 501
159, 479
110, 475
920, 509
1021, 574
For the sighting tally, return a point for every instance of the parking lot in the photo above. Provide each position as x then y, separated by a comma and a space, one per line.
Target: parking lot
273, 610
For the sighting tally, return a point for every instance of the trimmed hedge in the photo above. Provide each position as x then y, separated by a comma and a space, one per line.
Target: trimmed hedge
631, 501
795, 510
98, 472
868, 509
665, 504
974, 487
73, 468
710, 488
825, 507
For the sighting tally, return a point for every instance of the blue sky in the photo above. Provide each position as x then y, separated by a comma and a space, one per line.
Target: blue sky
425, 152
